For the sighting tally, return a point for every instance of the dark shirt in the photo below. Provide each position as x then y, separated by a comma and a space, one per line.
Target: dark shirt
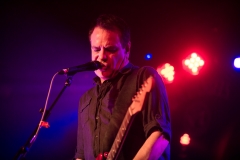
103, 107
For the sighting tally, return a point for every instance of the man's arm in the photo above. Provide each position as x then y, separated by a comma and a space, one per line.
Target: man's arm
153, 147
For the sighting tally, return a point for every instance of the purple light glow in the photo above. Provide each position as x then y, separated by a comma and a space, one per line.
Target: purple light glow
237, 62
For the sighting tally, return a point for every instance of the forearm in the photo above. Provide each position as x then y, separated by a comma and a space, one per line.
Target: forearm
153, 147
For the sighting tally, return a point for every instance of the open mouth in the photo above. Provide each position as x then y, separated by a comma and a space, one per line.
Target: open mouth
104, 68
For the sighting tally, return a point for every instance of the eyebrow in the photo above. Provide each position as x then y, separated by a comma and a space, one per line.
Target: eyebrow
95, 47
110, 46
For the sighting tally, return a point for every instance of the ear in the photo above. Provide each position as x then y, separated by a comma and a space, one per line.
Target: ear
127, 49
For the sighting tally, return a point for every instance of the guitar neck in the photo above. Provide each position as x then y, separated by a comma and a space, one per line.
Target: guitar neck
136, 106
118, 142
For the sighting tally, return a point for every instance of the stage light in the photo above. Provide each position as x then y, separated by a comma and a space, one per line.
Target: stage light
237, 62
185, 139
193, 63
167, 72
148, 56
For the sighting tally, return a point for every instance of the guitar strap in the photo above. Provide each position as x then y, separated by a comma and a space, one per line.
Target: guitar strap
122, 103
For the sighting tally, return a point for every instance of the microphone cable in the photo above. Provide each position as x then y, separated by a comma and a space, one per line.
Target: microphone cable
41, 123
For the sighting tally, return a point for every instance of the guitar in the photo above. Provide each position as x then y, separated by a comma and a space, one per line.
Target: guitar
136, 106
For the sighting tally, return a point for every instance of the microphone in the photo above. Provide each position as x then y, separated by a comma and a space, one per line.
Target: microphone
90, 66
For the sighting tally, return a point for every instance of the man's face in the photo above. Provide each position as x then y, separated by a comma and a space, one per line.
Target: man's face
107, 49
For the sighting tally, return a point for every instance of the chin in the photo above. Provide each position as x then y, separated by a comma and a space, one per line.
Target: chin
103, 75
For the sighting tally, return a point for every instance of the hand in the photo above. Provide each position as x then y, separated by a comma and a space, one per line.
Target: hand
153, 147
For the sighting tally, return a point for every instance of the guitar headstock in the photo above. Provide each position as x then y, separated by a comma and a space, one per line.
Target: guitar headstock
138, 99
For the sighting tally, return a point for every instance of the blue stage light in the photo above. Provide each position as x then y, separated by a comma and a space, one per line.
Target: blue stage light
148, 56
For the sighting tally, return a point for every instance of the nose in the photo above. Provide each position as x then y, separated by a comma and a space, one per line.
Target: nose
102, 56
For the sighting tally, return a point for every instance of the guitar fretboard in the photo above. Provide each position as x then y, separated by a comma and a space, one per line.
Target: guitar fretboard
136, 106
117, 144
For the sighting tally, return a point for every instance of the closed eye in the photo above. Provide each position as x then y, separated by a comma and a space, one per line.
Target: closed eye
96, 49
111, 49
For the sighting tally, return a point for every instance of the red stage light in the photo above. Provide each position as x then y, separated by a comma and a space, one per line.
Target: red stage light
185, 139
167, 72
193, 63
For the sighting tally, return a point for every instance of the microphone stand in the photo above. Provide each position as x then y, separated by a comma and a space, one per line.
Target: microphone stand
24, 149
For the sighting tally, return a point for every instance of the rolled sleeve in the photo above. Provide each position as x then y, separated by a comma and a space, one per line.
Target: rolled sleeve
156, 115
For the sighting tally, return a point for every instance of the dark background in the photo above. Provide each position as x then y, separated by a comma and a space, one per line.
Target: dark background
40, 38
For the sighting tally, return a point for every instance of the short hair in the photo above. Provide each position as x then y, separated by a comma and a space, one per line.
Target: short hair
113, 23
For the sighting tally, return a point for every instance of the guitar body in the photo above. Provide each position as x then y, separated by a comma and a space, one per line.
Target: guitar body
136, 106
102, 156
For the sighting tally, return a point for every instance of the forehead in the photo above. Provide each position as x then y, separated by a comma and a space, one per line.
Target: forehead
101, 34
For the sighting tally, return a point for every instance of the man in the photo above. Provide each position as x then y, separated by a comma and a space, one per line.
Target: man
103, 107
